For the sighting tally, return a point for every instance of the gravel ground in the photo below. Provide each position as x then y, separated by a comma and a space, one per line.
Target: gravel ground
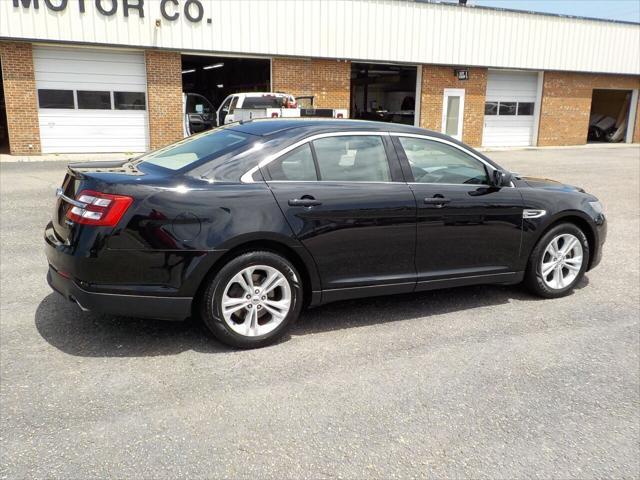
482, 382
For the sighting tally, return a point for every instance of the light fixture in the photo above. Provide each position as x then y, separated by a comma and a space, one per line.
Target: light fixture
220, 85
215, 65
188, 71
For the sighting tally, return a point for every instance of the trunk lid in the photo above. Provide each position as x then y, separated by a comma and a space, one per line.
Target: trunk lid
82, 176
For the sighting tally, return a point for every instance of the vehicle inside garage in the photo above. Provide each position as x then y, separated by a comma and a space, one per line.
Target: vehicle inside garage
384, 93
609, 116
214, 78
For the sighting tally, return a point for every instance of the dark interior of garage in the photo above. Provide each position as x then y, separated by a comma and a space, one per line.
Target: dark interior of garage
384, 93
609, 115
4, 131
216, 77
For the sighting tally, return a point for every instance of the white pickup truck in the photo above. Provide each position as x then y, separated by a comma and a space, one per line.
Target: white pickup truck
199, 114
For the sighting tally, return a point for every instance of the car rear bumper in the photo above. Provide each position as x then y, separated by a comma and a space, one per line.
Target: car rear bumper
144, 306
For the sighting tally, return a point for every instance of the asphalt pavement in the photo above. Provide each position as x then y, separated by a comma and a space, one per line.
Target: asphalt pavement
480, 382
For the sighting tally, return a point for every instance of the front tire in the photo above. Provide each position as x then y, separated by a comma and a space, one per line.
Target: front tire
558, 261
253, 300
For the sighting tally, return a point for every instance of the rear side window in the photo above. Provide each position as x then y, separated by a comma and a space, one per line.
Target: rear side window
295, 166
356, 158
206, 145
268, 101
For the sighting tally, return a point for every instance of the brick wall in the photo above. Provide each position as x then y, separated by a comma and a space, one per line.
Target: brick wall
20, 97
566, 105
164, 97
434, 80
328, 80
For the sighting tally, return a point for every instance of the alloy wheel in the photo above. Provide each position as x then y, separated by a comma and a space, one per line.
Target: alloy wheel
256, 300
561, 261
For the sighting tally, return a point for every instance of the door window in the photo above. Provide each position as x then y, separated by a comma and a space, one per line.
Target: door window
356, 158
198, 104
297, 165
453, 112
436, 162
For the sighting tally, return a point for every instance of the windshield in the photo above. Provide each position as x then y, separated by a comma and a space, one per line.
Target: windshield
191, 150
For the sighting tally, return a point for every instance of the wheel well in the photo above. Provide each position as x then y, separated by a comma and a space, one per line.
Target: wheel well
583, 225
259, 245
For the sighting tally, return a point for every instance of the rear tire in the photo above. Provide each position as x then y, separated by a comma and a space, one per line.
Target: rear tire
253, 300
558, 261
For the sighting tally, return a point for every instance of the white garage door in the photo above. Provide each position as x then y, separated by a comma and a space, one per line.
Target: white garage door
509, 109
91, 100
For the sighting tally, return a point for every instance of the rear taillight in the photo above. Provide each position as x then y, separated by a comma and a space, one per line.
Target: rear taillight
100, 209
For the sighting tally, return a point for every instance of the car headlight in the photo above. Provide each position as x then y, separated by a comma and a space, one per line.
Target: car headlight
597, 207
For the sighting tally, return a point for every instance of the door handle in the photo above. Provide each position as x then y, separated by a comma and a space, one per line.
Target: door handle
437, 202
304, 202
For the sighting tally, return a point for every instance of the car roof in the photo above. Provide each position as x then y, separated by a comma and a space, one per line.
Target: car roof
267, 127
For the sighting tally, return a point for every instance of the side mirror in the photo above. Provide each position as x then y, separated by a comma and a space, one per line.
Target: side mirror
501, 178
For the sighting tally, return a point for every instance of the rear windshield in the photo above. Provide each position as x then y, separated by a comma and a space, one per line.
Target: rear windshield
191, 150
268, 101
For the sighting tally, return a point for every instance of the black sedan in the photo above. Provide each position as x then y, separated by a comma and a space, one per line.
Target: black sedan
245, 225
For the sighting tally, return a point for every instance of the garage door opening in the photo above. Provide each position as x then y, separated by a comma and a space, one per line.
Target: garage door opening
4, 129
510, 109
386, 93
609, 117
91, 100
207, 81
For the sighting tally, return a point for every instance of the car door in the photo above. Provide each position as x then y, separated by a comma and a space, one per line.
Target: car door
346, 201
465, 226
199, 113
223, 110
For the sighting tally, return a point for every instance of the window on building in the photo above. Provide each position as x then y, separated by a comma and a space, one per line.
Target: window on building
507, 108
352, 158
90, 100
297, 165
525, 108
55, 98
491, 108
129, 100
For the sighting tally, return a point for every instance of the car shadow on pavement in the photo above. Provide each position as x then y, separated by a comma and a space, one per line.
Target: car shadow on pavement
63, 325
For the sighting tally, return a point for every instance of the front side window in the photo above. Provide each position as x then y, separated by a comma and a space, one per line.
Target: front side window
436, 162
198, 104
353, 158
92, 100
297, 165
184, 153
55, 98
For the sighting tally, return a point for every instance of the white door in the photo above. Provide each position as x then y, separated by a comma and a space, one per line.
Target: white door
453, 112
509, 109
91, 100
